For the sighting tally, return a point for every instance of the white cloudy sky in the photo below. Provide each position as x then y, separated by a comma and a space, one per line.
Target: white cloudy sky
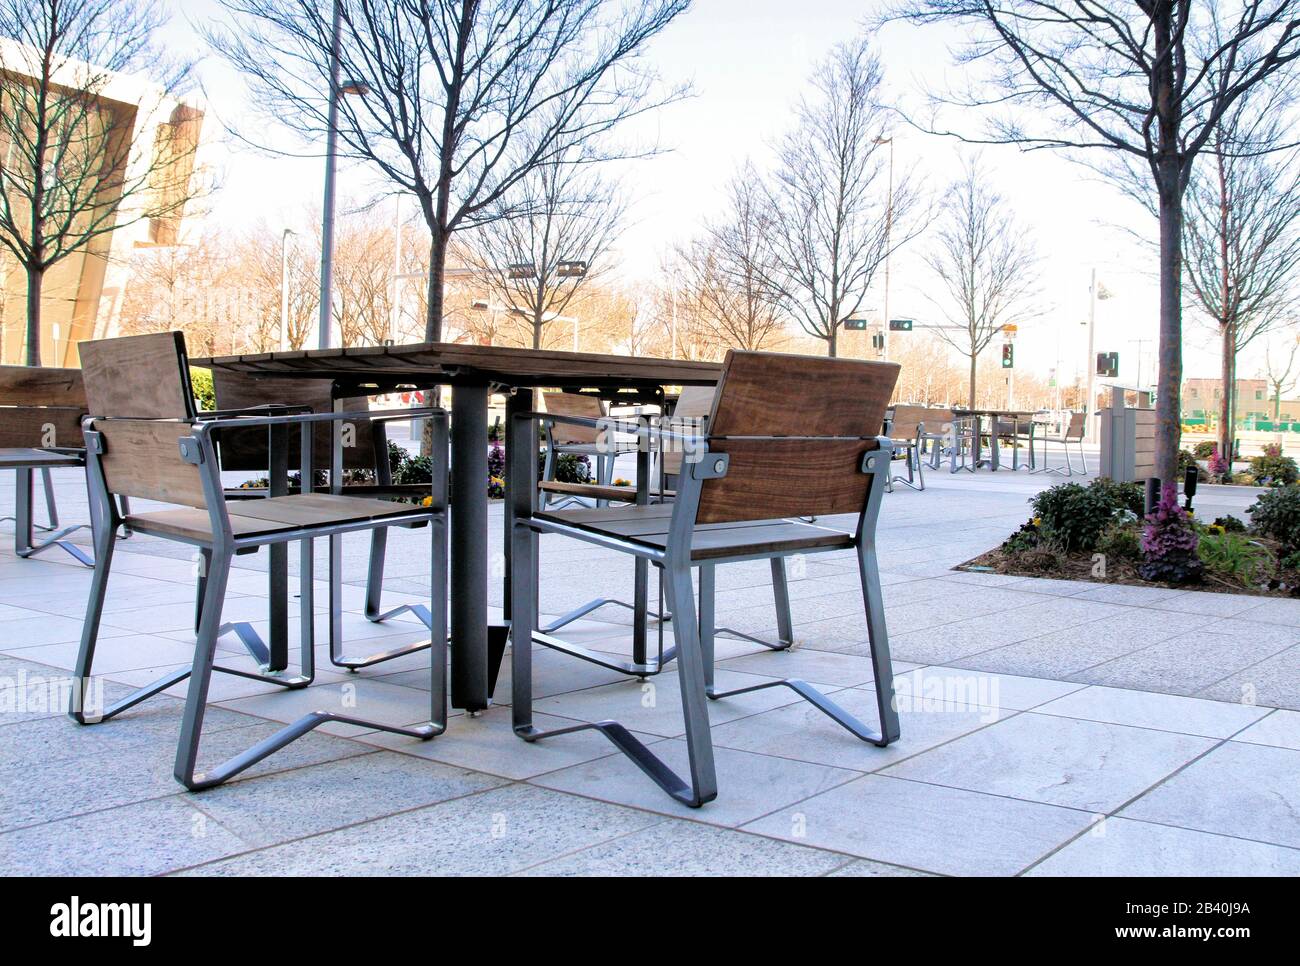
748, 60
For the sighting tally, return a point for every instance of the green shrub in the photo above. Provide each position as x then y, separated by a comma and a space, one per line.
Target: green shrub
1120, 541
1205, 449
204, 394
1274, 470
1074, 515
1028, 537
1276, 514
1232, 556
415, 469
1121, 496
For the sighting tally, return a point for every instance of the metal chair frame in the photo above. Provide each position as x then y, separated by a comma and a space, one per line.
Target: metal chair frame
198, 450
694, 649
1066, 441
643, 665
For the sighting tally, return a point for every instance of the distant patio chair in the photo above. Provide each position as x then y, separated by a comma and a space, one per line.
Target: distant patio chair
906, 428
743, 483
1068, 434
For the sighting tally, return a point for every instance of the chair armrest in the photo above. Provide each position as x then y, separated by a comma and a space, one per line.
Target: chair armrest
271, 409
614, 425
292, 420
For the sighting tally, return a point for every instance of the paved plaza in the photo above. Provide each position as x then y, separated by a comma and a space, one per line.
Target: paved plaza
1048, 727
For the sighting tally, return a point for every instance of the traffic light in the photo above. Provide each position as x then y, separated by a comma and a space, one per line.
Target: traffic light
878, 341
1108, 364
900, 325
857, 325
1008, 355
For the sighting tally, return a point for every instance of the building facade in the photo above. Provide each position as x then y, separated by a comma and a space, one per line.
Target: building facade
80, 293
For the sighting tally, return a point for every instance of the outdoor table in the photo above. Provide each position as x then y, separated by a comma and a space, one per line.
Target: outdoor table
474, 373
1015, 416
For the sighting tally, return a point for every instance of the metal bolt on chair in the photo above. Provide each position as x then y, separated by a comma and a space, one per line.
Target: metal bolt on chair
740, 488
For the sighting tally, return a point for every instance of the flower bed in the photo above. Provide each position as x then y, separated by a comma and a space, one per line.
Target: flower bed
1097, 533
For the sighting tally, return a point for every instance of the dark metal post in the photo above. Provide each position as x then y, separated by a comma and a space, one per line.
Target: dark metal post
469, 524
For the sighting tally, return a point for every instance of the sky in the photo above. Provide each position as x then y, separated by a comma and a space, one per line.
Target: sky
748, 62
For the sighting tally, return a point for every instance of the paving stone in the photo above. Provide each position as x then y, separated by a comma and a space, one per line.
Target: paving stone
1122, 848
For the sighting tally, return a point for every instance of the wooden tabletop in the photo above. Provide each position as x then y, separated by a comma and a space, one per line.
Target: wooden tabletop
429, 363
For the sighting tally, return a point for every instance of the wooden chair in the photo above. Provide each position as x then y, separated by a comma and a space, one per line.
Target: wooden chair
40, 429
906, 428
175, 461
688, 416
940, 426
1066, 435
595, 443
739, 487
364, 449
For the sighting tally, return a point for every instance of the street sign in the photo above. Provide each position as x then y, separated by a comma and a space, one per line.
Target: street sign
1008, 355
522, 270
571, 269
1108, 364
857, 325
900, 325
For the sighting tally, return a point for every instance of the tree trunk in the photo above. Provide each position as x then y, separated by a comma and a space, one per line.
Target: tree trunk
1168, 426
433, 299
35, 278
832, 348
970, 402
1229, 388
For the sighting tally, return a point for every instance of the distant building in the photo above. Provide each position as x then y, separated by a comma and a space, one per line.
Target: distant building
81, 293
1202, 399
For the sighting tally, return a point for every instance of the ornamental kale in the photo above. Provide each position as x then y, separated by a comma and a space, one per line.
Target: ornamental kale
1169, 543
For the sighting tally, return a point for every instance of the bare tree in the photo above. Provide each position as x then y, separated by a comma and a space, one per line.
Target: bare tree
537, 261
986, 264
832, 221
1149, 81
1242, 237
73, 163
463, 98
1280, 371
729, 267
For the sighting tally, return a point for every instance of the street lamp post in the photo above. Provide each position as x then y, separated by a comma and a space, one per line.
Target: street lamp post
284, 287
889, 229
337, 88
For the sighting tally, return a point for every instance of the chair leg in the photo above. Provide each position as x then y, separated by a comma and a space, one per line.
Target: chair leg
690, 668
375, 586
374, 583
84, 668
781, 599
25, 544
878, 635
187, 748
876, 631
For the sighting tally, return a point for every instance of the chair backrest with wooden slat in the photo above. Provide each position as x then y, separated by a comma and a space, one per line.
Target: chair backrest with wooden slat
573, 404
1074, 431
138, 377
835, 407
142, 458
908, 422
41, 408
690, 416
937, 422
249, 449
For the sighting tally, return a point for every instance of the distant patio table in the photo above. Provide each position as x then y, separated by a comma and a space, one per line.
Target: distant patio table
1016, 417
474, 373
